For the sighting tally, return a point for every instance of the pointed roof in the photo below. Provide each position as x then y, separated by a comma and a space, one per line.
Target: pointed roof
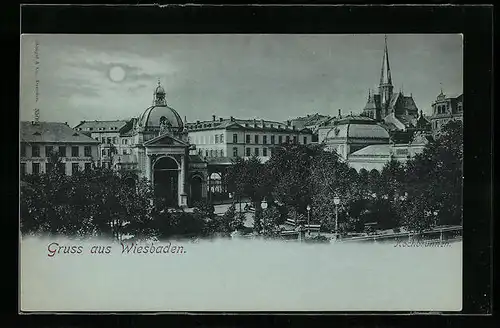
385, 74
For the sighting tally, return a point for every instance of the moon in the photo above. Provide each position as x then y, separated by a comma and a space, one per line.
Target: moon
117, 74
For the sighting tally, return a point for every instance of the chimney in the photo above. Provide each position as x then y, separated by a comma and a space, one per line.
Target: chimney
198, 122
232, 119
340, 113
220, 119
288, 122
213, 118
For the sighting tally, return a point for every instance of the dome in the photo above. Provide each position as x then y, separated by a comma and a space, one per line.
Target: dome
154, 116
358, 127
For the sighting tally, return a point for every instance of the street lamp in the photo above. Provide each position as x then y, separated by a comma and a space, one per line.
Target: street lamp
336, 201
308, 220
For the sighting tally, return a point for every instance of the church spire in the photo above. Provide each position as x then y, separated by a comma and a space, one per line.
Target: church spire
385, 74
385, 87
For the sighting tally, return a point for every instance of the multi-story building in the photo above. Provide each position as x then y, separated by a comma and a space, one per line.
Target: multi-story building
108, 133
445, 109
220, 140
39, 140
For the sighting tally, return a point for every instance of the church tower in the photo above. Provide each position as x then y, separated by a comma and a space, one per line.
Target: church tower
385, 86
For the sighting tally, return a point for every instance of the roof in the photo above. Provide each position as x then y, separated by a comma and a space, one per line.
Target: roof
240, 124
106, 125
358, 127
380, 150
53, 132
154, 114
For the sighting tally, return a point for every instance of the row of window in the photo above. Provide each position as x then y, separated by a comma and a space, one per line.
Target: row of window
61, 151
442, 109
35, 167
111, 140
219, 138
98, 129
110, 151
248, 152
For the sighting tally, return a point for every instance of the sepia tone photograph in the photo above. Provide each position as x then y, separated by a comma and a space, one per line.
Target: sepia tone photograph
234, 173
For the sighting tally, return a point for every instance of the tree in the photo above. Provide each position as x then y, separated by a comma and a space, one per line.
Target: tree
231, 220
434, 182
250, 178
290, 167
330, 177
271, 220
97, 202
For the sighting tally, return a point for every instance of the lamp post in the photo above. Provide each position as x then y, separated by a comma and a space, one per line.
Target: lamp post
336, 201
308, 220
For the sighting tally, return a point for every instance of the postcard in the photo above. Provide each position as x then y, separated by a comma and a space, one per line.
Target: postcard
241, 173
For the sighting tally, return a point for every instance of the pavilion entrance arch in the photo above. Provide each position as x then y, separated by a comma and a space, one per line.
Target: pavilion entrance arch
166, 171
217, 188
196, 183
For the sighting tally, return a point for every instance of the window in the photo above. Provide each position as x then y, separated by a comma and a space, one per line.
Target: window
74, 151
62, 168
114, 140
103, 152
74, 168
305, 140
287, 139
206, 153
294, 139
264, 152
36, 168
211, 153
48, 150
235, 151
216, 138
87, 150
235, 138
280, 139
109, 140
124, 152
62, 151
35, 151
221, 138
256, 138
248, 138
264, 140
272, 140
256, 151
216, 153
23, 169
248, 152
23, 150
88, 166
49, 167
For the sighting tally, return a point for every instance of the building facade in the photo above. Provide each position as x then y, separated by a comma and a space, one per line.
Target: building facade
445, 109
109, 136
348, 134
222, 139
39, 140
